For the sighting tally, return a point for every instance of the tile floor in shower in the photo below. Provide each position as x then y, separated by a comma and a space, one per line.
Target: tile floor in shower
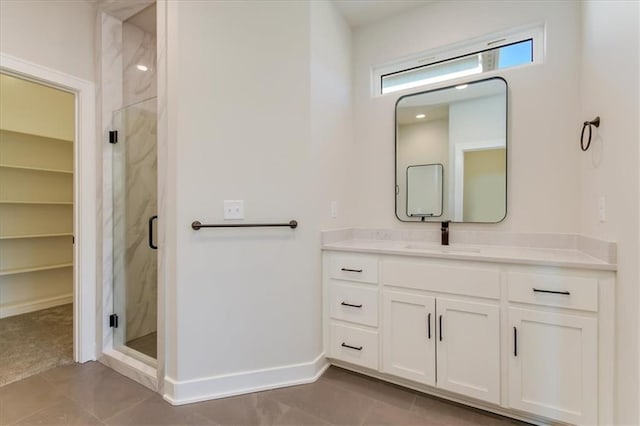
147, 345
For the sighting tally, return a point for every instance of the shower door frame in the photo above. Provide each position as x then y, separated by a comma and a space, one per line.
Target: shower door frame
84, 195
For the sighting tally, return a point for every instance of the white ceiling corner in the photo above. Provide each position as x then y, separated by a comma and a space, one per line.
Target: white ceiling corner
362, 12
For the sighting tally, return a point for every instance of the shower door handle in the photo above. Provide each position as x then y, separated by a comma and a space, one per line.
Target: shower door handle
151, 244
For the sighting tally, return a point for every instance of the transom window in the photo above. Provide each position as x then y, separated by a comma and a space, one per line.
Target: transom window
483, 55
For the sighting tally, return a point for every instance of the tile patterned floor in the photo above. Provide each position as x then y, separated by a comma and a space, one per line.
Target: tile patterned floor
33, 342
147, 345
91, 394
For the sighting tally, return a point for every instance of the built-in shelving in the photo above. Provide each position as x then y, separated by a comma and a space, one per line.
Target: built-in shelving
35, 269
36, 220
18, 237
52, 203
35, 169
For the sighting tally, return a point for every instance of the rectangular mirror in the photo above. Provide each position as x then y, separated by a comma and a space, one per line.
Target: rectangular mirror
424, 190
451, 153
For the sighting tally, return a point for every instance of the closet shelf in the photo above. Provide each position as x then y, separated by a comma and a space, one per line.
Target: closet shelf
36, 169
35, 135
18, 237
35, 269
37, 202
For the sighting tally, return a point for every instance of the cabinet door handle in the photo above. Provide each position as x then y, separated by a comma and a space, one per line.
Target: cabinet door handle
355, 348
537, 290
429, 326
151, 244
350, 270
350, 305
440, 326
515, 341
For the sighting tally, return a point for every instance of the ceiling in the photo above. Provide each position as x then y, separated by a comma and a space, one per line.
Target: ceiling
362, 12
407, 115
355, 12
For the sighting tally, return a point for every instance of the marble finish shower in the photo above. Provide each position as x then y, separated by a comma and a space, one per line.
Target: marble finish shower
134, 181
134, 227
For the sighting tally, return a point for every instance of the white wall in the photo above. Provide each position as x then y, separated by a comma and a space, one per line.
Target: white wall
543, 113
36, 109
422, 143
610, 89
333, 147
477, 120
56, 34
265, 120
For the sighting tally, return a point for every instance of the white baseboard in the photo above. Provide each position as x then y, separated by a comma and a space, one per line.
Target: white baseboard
34, 305
190, 391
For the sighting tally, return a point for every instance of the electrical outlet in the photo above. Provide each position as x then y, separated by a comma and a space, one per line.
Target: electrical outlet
233, 209
602, 213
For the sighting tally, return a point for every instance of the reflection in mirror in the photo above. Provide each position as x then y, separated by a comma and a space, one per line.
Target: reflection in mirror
459, 134
424, 190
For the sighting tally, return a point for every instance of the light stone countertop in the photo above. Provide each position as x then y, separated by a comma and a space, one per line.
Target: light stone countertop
566, 258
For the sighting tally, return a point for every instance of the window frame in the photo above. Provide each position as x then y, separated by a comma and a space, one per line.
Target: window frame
535, 32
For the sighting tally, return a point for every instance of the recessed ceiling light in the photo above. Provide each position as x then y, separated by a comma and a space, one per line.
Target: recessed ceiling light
420, 116
462, 86
142, 67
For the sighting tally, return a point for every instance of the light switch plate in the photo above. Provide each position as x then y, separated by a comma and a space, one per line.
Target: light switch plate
233, 209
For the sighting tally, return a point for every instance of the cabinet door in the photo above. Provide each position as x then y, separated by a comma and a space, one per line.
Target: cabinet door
469, 349
408, 336
553, 366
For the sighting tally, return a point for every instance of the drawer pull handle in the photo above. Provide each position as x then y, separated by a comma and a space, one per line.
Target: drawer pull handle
358, 348
440, 320
350, 270
515, 341
350, 305
429, 326
537, 290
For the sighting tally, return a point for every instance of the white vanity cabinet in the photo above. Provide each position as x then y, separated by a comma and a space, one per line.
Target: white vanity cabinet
408, 327
441, 326
468, 348
351, 295
532, 341
553, 365
447, 343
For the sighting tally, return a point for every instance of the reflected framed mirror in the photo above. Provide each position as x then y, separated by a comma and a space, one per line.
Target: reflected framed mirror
424, 190
451, 154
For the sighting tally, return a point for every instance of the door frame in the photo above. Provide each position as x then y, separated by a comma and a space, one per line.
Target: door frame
458, 170
84, 193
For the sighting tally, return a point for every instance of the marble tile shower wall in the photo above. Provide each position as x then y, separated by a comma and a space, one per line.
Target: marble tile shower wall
139, 48
122, 47
140, 186
140, 205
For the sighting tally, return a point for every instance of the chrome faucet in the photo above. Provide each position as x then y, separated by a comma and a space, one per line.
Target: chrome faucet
444, 233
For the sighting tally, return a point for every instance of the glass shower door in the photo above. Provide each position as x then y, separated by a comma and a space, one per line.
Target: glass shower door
134, 225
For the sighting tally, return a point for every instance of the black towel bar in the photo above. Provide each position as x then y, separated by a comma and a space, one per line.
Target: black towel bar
196, 225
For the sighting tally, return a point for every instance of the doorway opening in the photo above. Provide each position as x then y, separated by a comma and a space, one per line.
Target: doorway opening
37, 136
48, 218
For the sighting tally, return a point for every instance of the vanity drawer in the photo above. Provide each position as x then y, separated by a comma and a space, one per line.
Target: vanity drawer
454, 278
354, 267
354, 303
354, 345
563, 291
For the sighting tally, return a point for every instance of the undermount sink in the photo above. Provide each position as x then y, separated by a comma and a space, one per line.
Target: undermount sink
441, 249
